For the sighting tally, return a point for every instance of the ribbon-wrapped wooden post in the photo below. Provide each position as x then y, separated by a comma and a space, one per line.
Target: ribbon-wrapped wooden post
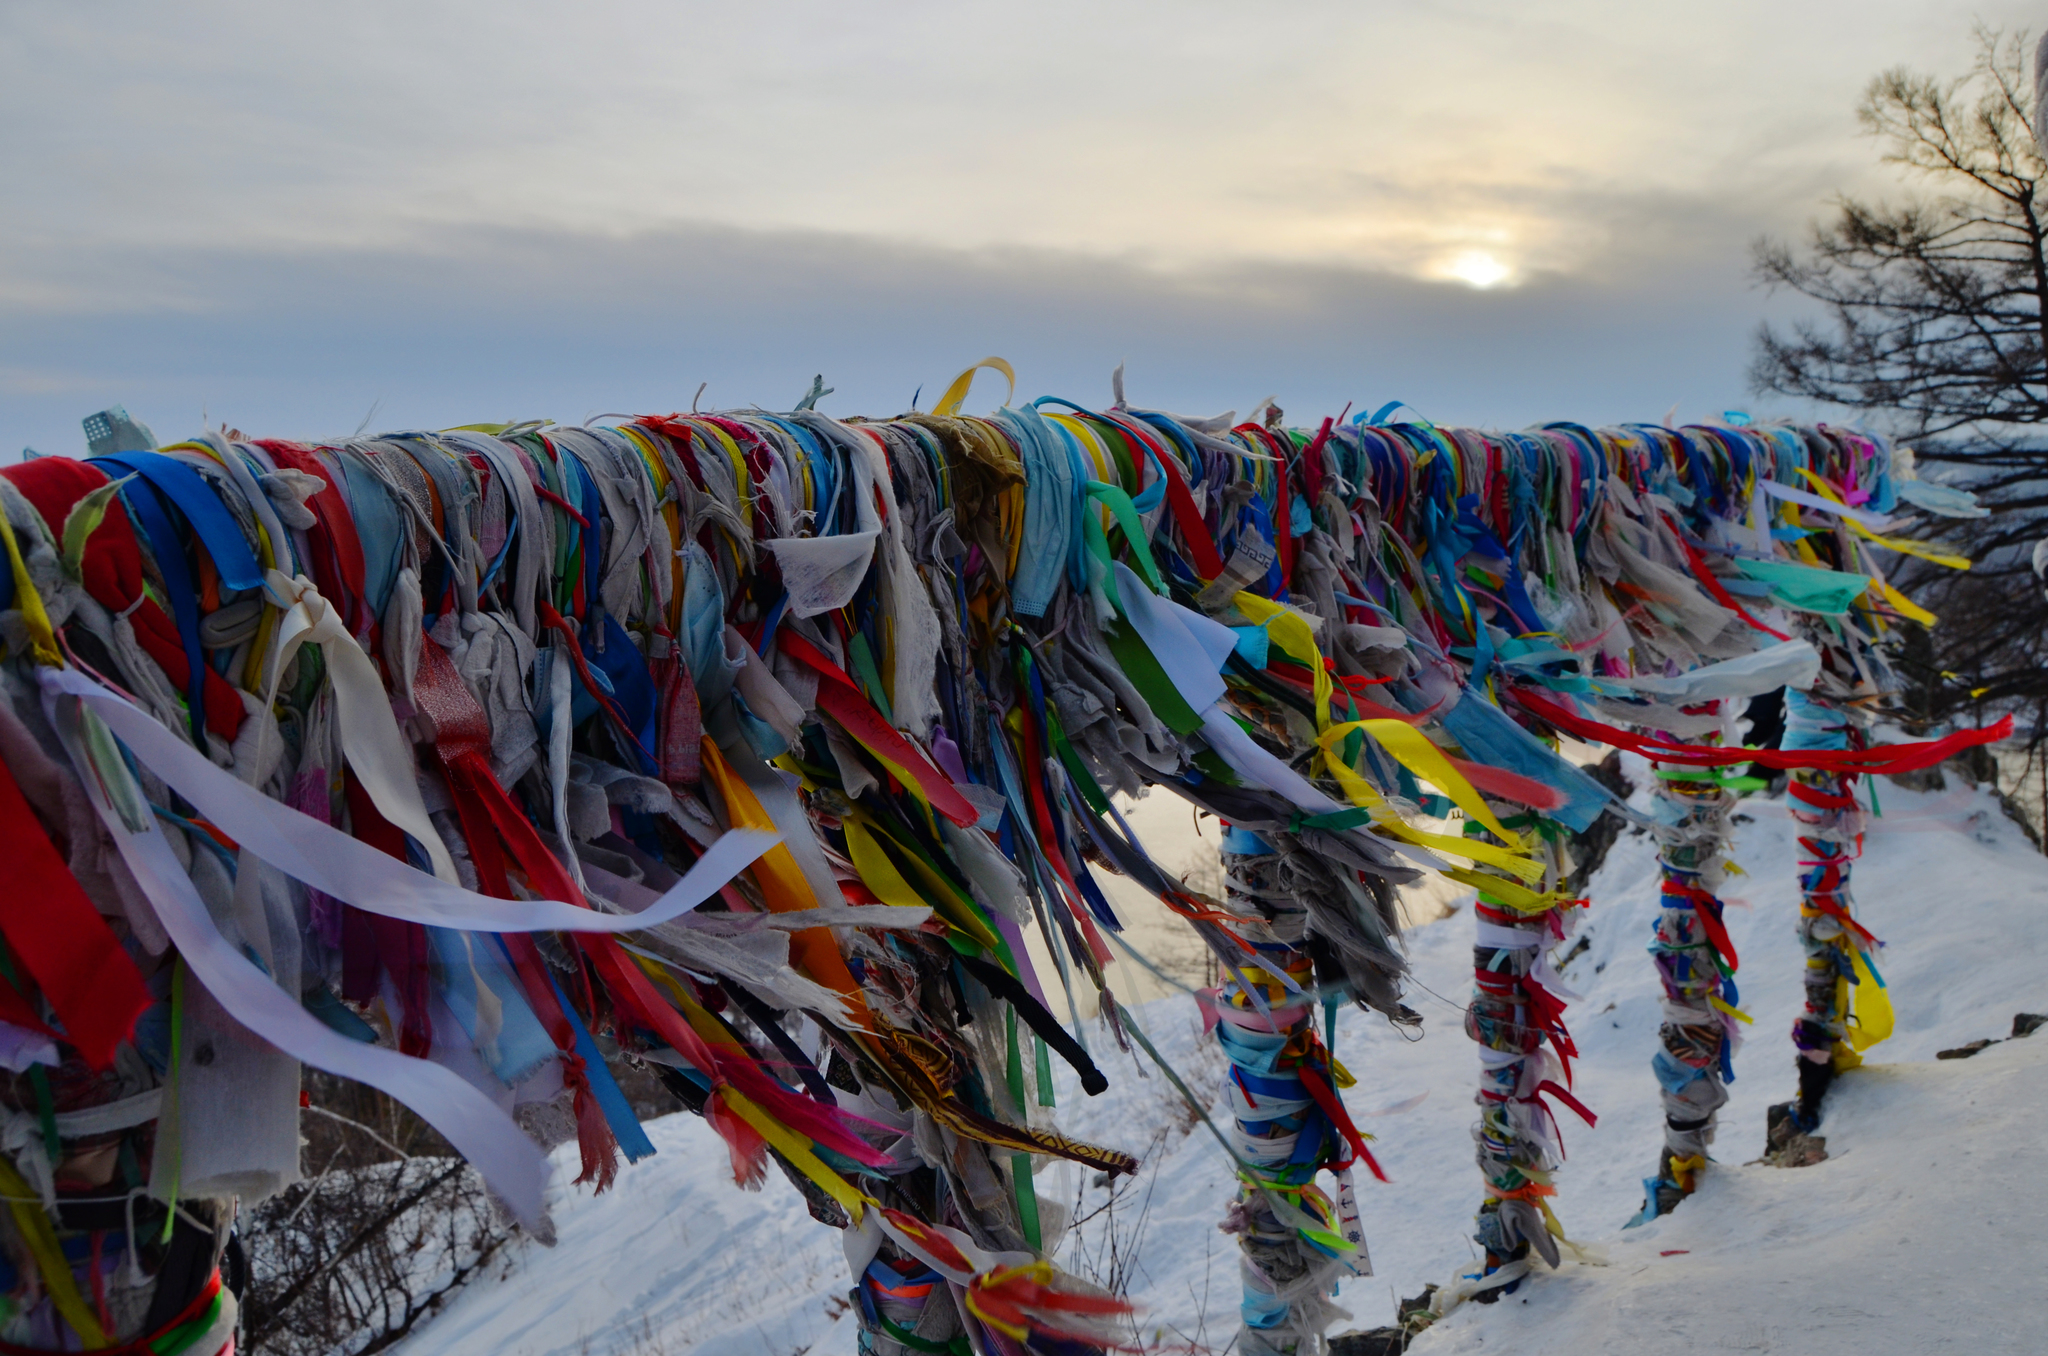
1525, 1053
1847, 1010
1286, 1124
1696, 965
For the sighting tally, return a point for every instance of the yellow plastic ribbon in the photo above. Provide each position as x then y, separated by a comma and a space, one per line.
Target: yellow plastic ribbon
1291, 632
783, 887
1900, 544
1870, 1019
879, 872
797, 1149
42, 636
1506, 892
1362, 794
1738, 1014
41, 1238
1905, 606
813, 952
949, 403
1414, 751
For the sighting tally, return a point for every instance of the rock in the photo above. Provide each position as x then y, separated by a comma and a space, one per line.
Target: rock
1789, 1146
2027, 1023
1409, 1311
1411, 1316
1965, 1051
1800, 1151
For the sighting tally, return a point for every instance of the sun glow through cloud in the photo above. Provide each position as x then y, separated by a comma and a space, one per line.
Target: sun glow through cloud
1477, 268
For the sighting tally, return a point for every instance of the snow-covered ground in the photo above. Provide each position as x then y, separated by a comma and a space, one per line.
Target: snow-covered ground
1916, 1235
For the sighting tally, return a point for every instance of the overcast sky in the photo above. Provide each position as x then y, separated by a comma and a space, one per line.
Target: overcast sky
295, 218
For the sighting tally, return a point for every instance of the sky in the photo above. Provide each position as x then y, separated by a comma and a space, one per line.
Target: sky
303, 220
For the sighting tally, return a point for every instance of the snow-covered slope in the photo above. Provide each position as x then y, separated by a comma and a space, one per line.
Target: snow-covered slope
1915, 1233
1915, 1236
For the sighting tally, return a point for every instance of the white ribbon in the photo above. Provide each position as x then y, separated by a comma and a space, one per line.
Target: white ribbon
1876, 522
378, 753
1192, 649
1794, 664
512, 1164
335, 864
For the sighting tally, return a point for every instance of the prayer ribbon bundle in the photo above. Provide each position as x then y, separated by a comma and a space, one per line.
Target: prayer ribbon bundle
757, 747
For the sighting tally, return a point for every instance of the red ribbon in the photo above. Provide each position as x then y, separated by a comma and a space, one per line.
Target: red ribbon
337, 554
1312, 1080
1818, 799
113, 576
1564, 1095
60, 938
1706, 908
1881, 758
1705, 575
1194, 533
564, 505
845, 703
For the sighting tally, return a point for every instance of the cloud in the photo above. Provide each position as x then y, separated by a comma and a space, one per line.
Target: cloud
462, 324
285, 216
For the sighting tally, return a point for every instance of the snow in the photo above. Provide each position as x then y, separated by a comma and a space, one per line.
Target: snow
674, 1259
1910, 1238
1907, 1239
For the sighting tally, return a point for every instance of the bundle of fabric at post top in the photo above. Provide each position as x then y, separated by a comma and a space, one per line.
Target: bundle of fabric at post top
752, 746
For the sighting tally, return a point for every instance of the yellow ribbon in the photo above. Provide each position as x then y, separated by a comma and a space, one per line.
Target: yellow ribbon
1291, 632
783, 886
1905, 606
1039, 1272
1870, 1020
1414, 752
35, 1230
878, 871
1738, 1014
1899, 544
42, 636
1506, 892
1362, 794
949, 403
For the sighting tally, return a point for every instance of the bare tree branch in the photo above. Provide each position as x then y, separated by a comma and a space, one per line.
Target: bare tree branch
1936, 325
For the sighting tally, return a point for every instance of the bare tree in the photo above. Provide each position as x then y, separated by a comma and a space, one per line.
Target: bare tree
1936, 329
389, 1224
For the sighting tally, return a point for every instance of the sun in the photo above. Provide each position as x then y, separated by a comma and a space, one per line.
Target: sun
1476, 268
